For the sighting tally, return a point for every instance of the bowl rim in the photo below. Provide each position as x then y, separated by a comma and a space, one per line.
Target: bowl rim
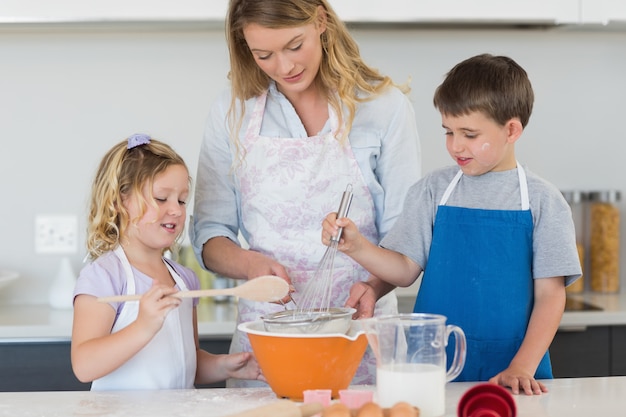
335, 313
256, 327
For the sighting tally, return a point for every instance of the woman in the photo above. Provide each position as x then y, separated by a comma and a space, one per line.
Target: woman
304, 117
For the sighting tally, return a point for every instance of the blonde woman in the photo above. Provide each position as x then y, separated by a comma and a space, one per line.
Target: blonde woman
137, 212
304, 117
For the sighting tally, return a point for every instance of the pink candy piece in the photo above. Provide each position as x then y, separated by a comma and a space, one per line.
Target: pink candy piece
322, 396
354, 399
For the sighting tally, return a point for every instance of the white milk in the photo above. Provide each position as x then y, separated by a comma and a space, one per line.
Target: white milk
422, 385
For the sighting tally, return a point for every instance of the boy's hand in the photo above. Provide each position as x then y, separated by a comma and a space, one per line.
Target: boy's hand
519, 380
350, 235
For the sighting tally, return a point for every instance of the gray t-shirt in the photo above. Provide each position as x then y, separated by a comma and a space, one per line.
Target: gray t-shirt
554, 240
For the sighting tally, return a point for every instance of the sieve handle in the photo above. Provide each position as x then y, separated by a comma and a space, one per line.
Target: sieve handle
344, 207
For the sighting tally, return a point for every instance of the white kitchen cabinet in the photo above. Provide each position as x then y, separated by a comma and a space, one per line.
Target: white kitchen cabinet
46, 11
459, 11
409, 11
580, 13
604, 12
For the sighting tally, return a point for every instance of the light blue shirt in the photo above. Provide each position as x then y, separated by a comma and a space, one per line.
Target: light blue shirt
383, 138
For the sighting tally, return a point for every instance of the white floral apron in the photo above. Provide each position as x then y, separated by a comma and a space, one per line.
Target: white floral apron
288, 186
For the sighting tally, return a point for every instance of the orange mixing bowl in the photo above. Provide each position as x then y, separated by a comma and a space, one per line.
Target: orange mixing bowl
293, 363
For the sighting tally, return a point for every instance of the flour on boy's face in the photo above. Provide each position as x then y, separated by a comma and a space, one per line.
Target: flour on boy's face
478, 144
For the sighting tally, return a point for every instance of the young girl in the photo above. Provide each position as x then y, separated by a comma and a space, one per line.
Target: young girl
137, 212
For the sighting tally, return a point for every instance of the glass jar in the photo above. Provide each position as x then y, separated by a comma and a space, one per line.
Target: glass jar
577, 201
604, 241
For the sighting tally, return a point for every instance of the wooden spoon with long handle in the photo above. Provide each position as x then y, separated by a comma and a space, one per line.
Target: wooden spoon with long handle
263, 288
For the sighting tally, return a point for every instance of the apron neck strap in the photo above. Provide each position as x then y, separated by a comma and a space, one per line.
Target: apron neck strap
130, 278
523, 187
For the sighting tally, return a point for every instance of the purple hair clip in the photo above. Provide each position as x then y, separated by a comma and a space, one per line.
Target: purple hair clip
138, 139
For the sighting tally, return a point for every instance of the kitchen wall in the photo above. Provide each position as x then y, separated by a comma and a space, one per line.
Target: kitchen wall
67, 94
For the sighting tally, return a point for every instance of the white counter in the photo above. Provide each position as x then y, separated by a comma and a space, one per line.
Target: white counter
576, 397
217, 320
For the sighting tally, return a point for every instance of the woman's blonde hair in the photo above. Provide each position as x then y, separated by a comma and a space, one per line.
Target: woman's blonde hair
342, 69
123, 173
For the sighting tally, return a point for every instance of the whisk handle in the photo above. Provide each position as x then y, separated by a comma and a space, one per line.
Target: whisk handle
344, 207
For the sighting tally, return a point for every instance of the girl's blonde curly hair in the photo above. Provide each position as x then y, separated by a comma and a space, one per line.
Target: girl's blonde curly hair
123, 173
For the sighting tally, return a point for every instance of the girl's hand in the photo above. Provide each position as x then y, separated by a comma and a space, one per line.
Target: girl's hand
241, 365
154, 306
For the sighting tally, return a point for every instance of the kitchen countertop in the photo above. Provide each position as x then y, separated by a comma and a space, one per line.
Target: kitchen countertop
217, 320
613, 311
572, 397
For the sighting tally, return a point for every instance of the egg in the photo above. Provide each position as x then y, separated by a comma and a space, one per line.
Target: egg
403, 409
370, 409
336, 410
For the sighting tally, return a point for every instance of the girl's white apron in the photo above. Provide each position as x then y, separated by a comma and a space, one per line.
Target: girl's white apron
168, 361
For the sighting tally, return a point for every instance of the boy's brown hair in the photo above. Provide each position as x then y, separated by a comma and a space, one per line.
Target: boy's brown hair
493, 85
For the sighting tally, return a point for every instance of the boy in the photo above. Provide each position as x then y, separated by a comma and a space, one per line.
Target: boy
496, 243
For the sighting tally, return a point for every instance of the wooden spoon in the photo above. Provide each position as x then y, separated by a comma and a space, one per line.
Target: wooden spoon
263, 288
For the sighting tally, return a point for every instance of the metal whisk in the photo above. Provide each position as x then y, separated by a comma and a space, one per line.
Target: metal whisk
317, 292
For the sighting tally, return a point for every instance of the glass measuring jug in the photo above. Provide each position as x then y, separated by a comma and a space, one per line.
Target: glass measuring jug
410, 352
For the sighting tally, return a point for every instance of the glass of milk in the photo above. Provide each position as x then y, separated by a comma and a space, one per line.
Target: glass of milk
410, 352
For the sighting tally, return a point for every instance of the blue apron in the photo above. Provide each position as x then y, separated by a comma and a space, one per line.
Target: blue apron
479, 275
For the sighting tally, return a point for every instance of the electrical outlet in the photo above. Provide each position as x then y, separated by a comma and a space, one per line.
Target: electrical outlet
56, 234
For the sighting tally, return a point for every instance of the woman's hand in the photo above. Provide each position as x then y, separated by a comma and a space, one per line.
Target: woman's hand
224, 257
363, 296
259, 265
262, 265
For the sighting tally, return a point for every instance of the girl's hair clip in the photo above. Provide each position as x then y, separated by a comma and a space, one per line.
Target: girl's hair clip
138, 139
